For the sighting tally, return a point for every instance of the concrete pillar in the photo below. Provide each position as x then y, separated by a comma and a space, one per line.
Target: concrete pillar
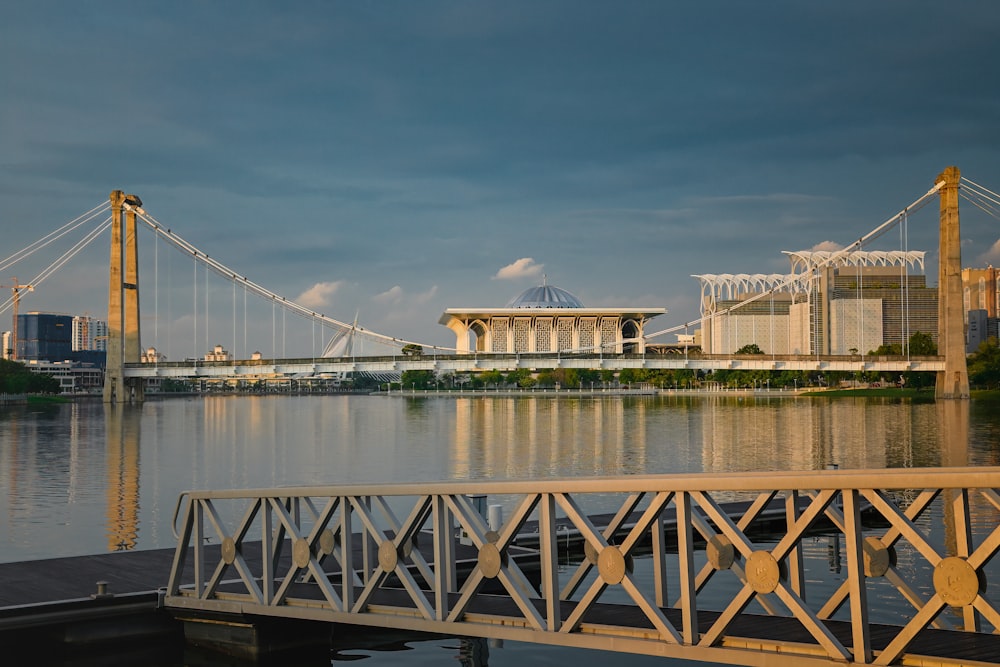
953, 381
130, 289
114, 373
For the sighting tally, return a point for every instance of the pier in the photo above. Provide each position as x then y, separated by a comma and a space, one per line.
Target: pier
426, 558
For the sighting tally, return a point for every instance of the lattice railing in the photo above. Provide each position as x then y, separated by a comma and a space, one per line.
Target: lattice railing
424, 557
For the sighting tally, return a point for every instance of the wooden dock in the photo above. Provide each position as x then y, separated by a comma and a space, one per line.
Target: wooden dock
124, 598
117, 597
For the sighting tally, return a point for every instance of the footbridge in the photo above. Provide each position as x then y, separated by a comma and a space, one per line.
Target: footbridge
704, 567
127, 365
465, 363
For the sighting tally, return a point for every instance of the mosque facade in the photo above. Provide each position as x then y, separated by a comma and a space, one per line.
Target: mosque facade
546, 318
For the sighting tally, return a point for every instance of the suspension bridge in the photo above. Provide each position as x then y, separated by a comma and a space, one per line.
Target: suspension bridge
128, 367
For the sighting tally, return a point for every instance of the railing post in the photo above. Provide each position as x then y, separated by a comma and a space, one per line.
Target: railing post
794, 558
199, 546
549, 557
857, 590
267, 550
958, 500
685, 552
346, 554
445, 580
660, 561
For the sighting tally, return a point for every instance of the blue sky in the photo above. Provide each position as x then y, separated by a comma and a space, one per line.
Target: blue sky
397, 158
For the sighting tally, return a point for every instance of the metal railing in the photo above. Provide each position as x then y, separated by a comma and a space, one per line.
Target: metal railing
283, 552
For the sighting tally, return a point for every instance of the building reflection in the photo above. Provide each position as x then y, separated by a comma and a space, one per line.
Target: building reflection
122, 427
512, 437
517, 438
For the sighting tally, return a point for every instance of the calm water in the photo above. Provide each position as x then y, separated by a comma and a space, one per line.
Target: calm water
81, 478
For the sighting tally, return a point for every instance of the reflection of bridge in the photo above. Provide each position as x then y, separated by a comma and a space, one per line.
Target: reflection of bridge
464, 363
125, 373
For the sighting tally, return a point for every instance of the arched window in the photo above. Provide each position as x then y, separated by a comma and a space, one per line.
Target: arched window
630, 330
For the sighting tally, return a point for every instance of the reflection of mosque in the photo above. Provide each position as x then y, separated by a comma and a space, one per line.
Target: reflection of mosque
518, 438
121, 425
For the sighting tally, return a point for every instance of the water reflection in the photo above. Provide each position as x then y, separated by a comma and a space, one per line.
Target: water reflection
67, 470
121, 432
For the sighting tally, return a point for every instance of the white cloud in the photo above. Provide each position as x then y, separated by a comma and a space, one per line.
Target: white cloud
522, 268
828, 246
991, 256
318, 296
393, 295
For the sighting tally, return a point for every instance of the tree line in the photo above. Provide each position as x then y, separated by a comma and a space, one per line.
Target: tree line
16, 378
984, 373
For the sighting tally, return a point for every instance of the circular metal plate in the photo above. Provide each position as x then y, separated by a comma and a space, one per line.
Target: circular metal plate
956, 582
877, 557
326, 542
611, 565
388, 556
492, 536
228, 551
490, 560
720, 552
763, 573
301, 553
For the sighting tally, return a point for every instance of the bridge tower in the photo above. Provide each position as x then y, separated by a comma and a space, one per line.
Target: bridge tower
953, 381
123, 302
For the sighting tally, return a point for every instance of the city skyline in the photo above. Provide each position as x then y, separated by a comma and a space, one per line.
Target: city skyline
397, 161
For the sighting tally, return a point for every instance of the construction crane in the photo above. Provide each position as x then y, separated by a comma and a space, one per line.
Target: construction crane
16, 288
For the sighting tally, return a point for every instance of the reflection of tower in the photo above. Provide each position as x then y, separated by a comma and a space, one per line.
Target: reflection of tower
122, 449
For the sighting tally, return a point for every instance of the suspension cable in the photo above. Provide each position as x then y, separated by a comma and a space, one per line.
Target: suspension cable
260, 291
834, 257
58, 263
54, 236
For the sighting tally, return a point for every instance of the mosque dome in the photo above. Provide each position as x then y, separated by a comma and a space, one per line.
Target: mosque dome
545, 296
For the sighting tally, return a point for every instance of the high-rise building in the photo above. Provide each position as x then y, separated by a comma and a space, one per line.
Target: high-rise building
44, 336
89, 333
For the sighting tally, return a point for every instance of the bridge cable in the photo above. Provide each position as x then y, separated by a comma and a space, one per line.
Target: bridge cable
258, 290
836, 256
58, 263
53, 236
981, 197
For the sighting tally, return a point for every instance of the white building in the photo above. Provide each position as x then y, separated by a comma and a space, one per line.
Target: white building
843, 302
548, 319
89, 333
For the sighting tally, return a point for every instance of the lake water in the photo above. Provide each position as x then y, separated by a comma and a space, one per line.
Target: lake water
82, 478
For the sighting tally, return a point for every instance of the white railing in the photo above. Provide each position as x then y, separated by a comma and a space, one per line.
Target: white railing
280, 552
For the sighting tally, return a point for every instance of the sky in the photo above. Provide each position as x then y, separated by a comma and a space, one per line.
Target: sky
393, 159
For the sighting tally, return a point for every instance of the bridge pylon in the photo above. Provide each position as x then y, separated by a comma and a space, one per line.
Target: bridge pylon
953, 381
123, 303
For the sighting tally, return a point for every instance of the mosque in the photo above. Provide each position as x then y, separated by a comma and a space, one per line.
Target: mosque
546, 318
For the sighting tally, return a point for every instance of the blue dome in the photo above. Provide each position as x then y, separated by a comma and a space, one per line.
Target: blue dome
545, 296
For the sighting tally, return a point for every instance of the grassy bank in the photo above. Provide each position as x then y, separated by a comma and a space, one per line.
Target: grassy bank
895, 392
46, 399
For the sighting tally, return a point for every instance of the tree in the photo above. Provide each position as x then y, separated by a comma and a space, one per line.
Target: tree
15, 378
922, 344
492, 378
750, 348
418, 379
984, 364
413, 350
